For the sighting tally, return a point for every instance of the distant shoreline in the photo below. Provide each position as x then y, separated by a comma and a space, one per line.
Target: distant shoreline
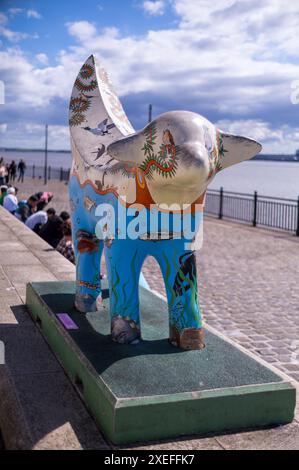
277, 158
263, 157
33, 150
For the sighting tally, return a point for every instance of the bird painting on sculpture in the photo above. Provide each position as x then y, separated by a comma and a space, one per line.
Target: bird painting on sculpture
101, 129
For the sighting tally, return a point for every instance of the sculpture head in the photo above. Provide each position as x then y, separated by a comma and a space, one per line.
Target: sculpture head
179, 153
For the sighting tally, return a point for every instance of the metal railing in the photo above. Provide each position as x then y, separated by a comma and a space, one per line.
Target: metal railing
38, 172
255, 209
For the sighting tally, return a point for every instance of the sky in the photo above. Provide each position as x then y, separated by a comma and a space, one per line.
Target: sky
236, 62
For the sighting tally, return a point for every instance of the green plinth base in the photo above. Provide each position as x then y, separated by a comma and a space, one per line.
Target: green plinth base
153, 390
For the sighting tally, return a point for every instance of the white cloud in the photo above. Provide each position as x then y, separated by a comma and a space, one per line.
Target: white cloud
284, 139
42, 58
9, 34
15, 11
154, 7
13, 36
21, 135
200, 11
34, 14
3, 18
26, 85
232, 61
81, 30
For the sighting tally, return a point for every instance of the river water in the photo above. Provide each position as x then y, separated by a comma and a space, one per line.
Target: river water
268, 178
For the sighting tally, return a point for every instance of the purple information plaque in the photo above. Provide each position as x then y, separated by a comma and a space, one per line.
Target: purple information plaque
67, 322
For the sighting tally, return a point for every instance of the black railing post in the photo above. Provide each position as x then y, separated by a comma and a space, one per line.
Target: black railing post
254, 209
49, 172
297, 231
220, 203
33, 171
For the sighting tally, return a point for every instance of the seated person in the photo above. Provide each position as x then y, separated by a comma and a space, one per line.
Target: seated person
36, 220
26, 208
43, 199
65, 246
3, 192
10, 201
51, 232
64, 215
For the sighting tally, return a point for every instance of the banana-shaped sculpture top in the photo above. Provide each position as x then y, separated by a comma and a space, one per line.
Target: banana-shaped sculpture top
166, 167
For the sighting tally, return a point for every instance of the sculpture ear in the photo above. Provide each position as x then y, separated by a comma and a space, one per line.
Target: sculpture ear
235, 149
96, 115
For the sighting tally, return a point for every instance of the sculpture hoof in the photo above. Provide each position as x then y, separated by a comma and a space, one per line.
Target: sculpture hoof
86, 303
124, 330
188, 339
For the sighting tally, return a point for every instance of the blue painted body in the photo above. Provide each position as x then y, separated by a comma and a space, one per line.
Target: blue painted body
124, 259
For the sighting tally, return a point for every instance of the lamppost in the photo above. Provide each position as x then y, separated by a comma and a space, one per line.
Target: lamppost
46, 156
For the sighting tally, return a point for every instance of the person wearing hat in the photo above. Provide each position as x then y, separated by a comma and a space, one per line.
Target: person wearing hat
10, 202
3, 192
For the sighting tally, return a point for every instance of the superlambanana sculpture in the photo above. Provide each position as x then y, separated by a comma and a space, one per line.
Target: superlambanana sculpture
138, 194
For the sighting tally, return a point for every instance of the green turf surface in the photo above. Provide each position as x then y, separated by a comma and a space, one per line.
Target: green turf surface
152, 367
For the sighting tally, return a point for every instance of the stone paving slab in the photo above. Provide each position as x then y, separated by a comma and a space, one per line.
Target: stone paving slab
12, 247
38, 388
48, 395
23, 274
10, 258
279, 438
26, 351
11, 313
182, 443
57, 417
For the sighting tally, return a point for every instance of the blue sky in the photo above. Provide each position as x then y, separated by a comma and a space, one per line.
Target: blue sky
234, 61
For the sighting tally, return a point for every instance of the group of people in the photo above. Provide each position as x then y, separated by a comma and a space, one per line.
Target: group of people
8, 171
54, 229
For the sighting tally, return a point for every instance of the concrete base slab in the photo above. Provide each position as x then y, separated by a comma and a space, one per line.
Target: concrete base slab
153, 390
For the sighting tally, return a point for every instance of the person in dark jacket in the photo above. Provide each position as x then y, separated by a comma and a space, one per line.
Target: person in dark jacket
52, 232
12, 171
21, 168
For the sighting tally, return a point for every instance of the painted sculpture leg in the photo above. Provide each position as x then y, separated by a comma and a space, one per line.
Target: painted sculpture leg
88, 251
185, 321
123, 267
